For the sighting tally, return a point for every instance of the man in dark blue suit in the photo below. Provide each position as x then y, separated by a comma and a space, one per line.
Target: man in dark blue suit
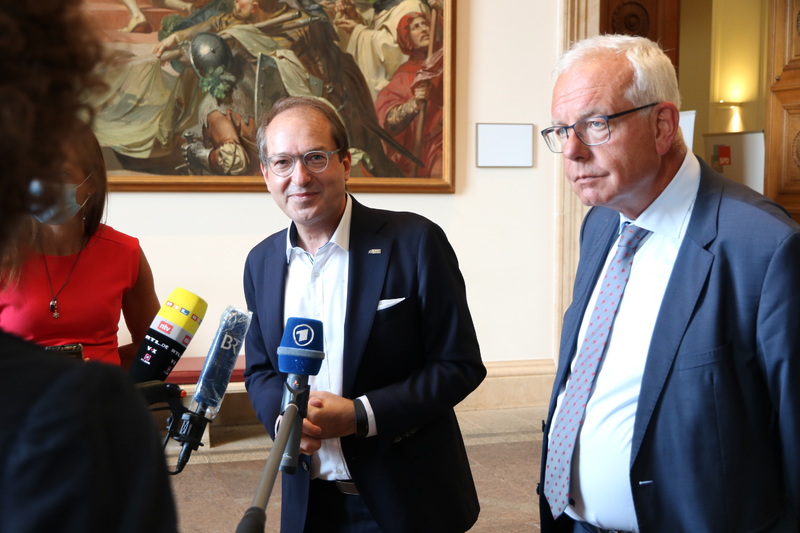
381, 443
693, 419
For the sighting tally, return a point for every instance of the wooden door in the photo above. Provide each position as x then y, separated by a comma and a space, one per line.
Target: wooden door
782, 135
658, 20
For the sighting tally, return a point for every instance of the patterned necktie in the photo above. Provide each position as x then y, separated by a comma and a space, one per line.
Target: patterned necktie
579, 386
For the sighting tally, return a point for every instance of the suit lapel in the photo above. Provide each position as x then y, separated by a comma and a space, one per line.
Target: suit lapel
274, 295
370, 251
690, 273
596, 251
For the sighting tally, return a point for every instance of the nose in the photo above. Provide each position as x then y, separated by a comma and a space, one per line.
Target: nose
300, 174
573, 148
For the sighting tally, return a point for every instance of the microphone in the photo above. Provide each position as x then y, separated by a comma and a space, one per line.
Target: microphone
300, 355
213, 381
169, 335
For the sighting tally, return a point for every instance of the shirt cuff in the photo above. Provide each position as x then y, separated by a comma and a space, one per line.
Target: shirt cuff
373, 429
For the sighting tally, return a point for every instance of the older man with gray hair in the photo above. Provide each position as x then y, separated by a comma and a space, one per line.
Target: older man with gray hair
675, 405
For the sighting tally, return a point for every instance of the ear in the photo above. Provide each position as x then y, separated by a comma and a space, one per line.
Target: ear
667, 124
347, 162
264, 173
91, 187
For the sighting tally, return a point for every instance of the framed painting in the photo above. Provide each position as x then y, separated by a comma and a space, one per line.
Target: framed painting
187, 81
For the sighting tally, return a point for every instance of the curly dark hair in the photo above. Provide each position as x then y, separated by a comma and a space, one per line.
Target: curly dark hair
49, 51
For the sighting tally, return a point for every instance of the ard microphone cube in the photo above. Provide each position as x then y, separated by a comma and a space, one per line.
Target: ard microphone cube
302, 347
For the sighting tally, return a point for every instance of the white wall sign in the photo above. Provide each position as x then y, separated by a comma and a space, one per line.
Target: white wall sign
505, 145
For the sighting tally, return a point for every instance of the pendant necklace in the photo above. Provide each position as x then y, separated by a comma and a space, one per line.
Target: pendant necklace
54, 296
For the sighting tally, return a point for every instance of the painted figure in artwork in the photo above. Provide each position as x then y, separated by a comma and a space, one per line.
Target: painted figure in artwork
410, 107
190, 78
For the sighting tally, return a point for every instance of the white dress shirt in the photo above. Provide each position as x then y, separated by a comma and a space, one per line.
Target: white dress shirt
316, 287
600, 479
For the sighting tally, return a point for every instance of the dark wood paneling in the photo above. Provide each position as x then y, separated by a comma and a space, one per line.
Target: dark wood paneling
658, 20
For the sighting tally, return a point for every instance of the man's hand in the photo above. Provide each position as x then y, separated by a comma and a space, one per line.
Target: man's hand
421, 90
311, 440
348, 25
332, 414
347, 17
166, 44
347, 8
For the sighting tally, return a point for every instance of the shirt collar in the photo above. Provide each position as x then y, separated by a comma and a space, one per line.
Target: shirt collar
668, 215
340, 237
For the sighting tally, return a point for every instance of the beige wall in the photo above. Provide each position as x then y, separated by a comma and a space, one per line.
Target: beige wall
502, 222
739, 57
694, 74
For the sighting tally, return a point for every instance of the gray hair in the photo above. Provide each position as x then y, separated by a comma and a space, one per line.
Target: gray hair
654, 78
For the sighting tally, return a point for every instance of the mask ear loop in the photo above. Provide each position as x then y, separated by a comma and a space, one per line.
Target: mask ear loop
84, 180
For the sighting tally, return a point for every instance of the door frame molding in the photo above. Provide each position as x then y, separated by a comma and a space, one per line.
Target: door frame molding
581, 20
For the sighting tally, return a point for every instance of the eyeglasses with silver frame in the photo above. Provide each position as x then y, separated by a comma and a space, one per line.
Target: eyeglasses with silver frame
315, 161
591, 131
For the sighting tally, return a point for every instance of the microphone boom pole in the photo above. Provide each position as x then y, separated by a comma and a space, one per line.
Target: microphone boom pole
300, 355
255, 517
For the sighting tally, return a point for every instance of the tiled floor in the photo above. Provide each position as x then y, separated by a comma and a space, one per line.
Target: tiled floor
504, 447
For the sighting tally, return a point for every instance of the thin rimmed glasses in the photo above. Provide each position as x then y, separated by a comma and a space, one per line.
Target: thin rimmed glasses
591, 131
315, 161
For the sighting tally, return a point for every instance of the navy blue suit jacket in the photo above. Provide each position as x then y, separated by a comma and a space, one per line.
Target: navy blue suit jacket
415, 361
717, 428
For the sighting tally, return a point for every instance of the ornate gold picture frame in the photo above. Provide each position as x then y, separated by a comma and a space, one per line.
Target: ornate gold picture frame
159, 116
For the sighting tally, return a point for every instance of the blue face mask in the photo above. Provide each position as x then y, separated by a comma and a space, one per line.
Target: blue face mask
65, 208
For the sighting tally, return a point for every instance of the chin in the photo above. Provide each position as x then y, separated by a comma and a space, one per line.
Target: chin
593, 200
590, 195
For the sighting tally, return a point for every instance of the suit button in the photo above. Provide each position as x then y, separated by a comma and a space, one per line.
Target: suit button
305, 466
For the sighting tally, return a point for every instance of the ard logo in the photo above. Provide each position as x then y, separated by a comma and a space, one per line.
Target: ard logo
303, 335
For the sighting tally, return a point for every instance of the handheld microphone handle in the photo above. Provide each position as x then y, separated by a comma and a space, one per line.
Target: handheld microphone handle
295, 392
193, 426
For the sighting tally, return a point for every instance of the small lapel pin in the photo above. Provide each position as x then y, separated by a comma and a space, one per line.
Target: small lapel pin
374, 251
